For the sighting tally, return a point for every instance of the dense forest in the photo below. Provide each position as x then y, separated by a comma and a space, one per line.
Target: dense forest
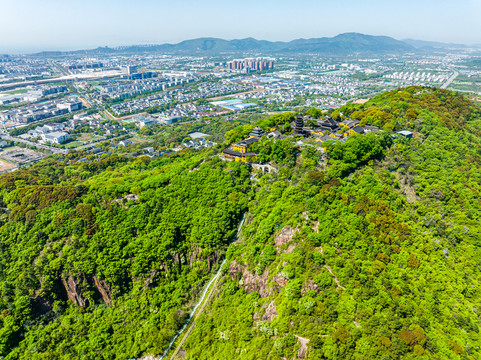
107, 266
373, 253
374, 256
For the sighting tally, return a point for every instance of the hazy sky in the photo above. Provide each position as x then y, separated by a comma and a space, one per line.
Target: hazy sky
32, 25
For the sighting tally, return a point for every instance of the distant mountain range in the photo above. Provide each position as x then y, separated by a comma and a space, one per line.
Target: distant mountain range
340, 45
343, 44
419, 44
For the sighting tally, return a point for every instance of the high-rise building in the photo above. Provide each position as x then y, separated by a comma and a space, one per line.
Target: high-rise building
131, 69
250, 65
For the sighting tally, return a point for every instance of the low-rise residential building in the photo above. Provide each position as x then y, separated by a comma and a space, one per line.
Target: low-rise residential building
54, 127
141, 121
41, 111
56, 137
168, 120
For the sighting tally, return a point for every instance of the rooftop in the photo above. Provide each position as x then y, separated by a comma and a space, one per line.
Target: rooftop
197, 135
239, 154
248, 141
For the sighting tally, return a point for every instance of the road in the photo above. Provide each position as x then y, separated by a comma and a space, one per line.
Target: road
72, 78
39, 146
450, 80
58, 68
86, 104
208, 291
57, 150
216, 98
126, 117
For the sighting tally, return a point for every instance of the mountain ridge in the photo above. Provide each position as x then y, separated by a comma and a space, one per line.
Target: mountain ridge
355, 256
434, 44
342, 44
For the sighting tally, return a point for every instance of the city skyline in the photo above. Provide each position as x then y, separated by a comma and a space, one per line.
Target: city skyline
67, 25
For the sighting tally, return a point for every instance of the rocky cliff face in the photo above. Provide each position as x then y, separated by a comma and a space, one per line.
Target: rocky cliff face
254, 282
74, 291
302, 352
77, 288
104, 289
196, 256
271, 312
285, 236
261, 283
309, 285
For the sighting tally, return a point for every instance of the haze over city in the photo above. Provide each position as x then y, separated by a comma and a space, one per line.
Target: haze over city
29, 25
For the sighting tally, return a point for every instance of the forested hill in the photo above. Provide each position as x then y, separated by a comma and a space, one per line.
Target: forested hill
371, 254
369, 258
340, 45
103, 260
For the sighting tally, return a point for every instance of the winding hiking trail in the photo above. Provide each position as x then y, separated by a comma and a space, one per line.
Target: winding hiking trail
206, 295
335, 278
339, 286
